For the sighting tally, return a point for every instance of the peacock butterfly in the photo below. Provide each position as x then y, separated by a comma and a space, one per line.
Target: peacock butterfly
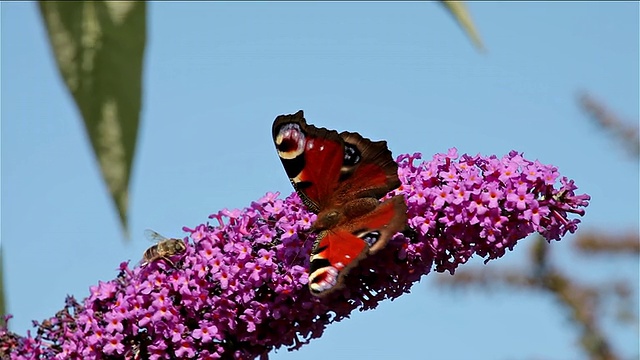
341, 178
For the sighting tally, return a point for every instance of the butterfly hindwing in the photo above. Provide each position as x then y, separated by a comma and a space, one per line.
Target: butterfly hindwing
338, 250
334, 254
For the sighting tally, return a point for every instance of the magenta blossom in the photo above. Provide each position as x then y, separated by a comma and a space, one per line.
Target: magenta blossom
240, 288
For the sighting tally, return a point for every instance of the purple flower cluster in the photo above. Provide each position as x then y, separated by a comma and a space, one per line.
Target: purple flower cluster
461, 206
240, 288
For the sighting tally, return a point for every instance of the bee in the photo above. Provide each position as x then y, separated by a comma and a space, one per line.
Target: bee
164, 248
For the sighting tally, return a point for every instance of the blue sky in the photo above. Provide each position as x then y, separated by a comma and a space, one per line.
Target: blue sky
217, 74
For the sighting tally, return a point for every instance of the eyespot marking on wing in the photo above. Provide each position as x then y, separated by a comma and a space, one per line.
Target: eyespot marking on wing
290, 141
370, 237
352, 155
323, 279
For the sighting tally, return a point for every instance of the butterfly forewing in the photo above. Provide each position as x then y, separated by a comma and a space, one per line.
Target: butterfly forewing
375, 173
312, 158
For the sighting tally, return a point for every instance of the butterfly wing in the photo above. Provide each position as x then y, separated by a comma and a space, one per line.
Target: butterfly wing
368, 170
328, 169
311, 156
338, 250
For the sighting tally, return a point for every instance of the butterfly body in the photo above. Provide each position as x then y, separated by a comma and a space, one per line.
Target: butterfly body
340, 177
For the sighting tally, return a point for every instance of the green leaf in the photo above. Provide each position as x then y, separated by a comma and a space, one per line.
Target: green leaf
459, 11
99, 48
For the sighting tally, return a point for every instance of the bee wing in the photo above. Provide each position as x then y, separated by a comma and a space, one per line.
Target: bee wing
153, 236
